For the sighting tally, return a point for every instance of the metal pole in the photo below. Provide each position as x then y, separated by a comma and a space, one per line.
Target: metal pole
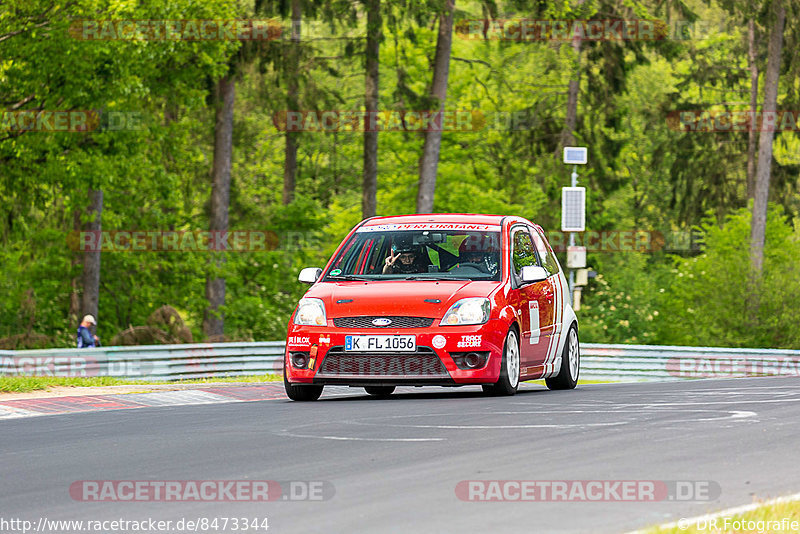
572, 241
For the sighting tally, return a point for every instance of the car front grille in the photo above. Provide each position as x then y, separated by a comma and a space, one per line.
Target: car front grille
365, 321
424, 363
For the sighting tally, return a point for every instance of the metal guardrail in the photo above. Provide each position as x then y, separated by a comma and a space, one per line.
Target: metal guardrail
666, 362
150, 362
205, 360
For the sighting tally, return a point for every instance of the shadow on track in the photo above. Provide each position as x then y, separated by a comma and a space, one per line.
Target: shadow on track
456, 393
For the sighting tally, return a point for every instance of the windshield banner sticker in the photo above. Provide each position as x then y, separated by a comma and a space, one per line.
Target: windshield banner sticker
431, 226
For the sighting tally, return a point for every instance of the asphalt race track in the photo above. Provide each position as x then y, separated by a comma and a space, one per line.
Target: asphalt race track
394, 463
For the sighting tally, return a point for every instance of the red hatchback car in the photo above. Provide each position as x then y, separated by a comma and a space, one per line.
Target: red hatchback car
444, 299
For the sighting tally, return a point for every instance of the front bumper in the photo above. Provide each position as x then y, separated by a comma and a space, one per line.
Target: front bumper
431, 364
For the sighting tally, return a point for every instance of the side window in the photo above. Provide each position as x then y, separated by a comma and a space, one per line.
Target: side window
522, 250
546, 253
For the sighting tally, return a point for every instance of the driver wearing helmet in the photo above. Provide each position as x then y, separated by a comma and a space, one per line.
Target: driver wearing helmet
403, 259
479, 250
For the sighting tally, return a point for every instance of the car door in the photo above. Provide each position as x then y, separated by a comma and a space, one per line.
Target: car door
533, 303
552, 322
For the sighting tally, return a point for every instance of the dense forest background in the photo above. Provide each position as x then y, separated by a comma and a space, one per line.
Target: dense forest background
202, 144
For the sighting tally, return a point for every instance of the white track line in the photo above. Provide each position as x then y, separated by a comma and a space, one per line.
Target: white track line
689, 521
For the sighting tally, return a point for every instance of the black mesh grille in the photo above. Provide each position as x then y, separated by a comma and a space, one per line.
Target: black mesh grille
365, 321
424, 364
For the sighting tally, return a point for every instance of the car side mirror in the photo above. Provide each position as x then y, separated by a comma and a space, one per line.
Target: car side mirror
310, 275
533, 273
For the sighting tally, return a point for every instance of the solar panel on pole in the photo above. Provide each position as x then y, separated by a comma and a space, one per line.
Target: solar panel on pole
573, 209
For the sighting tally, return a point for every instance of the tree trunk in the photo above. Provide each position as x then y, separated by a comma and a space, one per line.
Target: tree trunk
752, 136
74, 312
433, 137
764, 165
213, 321
292, 100
370, 183
290, 168
571, 120
91, 258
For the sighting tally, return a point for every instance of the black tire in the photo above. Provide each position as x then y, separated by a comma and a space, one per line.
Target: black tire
488, 389
379, 391
565, 379
507, 385
301, 392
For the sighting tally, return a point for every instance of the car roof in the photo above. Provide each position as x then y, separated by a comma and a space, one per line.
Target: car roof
453, 218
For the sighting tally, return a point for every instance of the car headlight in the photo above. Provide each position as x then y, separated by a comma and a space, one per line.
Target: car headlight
474, 310
310, 312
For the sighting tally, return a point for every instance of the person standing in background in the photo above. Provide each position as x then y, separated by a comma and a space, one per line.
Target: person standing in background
85, 337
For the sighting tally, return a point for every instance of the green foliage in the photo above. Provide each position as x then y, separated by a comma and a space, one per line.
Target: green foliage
705, 300
714, 300
622, 304
643, 173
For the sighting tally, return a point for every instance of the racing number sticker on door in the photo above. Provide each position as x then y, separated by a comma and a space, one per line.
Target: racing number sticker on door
533, 313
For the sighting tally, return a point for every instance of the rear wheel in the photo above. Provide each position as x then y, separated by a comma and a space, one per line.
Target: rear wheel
379, 391
301, 392
567, 377
508, 382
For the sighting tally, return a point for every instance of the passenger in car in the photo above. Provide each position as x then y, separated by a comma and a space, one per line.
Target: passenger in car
480, 251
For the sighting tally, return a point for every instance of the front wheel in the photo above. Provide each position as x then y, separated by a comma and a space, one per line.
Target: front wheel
508, 382
301, 392
567, 377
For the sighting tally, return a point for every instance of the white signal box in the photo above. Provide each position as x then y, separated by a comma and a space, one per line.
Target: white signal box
576, 298
573, 209
576, 257
582, 277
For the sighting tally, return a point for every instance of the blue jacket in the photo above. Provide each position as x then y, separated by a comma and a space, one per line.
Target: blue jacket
85, 338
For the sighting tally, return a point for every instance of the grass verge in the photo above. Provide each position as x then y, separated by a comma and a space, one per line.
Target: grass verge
779, 517
23, 384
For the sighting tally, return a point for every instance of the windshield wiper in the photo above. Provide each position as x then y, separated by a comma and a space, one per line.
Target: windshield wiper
348, 277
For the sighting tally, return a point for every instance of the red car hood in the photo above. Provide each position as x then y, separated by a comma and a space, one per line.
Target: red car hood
347, 299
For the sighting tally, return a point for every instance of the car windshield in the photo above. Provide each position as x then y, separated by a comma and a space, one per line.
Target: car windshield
376, 254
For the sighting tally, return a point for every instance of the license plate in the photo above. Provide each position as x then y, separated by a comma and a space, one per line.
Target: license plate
380, 343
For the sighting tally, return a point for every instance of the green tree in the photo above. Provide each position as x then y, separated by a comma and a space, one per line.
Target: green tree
707, 299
